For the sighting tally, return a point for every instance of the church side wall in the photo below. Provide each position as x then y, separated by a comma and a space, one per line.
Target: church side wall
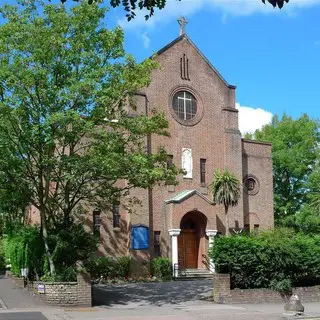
258, 205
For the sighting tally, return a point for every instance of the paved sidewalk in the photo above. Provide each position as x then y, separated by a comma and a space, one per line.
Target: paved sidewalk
12, 297
196, 312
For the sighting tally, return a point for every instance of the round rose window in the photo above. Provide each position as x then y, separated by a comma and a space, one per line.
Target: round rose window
184, 105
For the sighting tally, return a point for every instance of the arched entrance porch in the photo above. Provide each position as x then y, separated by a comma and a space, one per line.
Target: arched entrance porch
192, 240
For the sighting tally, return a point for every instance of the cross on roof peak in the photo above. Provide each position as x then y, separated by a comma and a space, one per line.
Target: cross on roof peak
182, 22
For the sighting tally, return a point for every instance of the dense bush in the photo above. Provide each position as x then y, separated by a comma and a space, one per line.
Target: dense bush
162, 268
2, 255
25, 249
106, 267
274, 259
70, 245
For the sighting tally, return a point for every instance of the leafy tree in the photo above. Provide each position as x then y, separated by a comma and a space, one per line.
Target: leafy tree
67, 133
225, 189
295, 145
150, 5
314, 187
307, 219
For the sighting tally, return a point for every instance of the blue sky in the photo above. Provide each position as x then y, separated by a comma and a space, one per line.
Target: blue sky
271, 55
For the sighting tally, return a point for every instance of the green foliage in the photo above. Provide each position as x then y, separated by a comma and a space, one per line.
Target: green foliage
314, 187
225, 190
105, 267
24, 249
307, 220
273, 259
68, 274
67, 135
123, 266
70, 245
295, 148
284, 286
131, 6
162, 268
2, 254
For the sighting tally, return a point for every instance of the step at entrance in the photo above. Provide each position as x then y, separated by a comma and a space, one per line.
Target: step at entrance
194, 274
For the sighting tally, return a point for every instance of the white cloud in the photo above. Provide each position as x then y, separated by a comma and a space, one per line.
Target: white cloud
175, 9
146, 40
251, 119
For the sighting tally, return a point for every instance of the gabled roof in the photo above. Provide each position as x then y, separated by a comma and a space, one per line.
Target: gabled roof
185, 194
184, 36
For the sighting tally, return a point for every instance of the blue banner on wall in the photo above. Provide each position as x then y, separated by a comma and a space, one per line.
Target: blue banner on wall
140, 237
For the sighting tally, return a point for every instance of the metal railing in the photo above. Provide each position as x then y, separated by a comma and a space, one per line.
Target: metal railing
206, 261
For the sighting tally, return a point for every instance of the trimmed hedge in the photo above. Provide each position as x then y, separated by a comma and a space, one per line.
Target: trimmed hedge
275, 259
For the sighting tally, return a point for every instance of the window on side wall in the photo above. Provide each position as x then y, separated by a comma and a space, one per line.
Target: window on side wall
156, 241
169, 160
203, 171
96, 222
116, 215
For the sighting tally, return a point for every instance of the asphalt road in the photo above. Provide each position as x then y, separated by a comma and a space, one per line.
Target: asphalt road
137, 295
22, 316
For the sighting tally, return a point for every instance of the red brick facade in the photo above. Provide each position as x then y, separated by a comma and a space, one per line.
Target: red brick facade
213, 134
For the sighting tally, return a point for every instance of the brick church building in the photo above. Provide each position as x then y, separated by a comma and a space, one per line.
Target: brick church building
180, 222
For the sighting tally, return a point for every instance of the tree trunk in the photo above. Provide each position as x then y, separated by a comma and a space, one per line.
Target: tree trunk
45, 240
227, 221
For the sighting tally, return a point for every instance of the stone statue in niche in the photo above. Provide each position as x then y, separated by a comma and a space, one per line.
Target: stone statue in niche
187, 162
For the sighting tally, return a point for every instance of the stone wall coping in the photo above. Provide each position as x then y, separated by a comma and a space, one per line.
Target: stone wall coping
55, 283
269, 289
223, 294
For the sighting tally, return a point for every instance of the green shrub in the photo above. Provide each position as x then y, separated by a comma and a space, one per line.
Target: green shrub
69, 274
162, 268
2, 254
283, 286
274, 259
70, 245
106, 267
25, 249
123, 266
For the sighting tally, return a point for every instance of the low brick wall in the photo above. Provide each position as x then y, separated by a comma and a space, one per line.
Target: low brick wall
65, 294
18, 281
223, 294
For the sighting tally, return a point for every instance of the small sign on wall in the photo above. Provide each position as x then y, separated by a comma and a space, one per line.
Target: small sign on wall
41, 288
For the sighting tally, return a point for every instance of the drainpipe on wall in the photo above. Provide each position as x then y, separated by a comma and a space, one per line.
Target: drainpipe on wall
150, 194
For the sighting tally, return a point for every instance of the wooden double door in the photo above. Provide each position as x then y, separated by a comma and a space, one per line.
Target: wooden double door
188, 249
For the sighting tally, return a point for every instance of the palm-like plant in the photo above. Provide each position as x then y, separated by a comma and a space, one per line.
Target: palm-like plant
315, 201
225, 190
